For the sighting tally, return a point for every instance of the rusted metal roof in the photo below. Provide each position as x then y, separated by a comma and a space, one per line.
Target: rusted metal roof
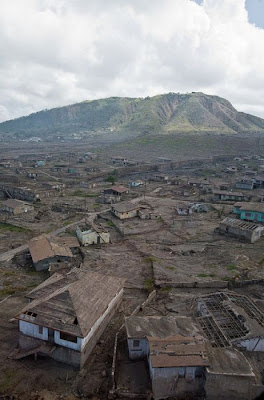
119, 189
177, 351
41, 248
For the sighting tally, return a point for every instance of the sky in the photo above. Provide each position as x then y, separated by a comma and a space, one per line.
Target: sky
54, 53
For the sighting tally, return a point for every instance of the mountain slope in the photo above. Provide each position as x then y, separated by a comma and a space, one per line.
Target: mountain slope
121, 117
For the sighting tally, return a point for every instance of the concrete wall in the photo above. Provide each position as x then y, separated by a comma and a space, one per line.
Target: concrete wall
137, 352
252, 344
227, 387
87, 238
67, 343
252, 216
124, 215
170, 382
29, 329
44, 264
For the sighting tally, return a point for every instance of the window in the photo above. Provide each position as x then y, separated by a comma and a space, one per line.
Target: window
248, 215
68, 337
41, 330
31, 314
136, 343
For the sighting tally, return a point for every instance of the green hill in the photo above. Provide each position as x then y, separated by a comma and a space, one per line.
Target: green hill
118, 118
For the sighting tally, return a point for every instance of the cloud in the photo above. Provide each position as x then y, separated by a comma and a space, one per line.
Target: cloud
57, 53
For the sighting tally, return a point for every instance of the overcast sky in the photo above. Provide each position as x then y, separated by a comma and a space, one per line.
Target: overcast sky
58, 52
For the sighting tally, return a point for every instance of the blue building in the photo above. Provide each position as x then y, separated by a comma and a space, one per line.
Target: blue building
250, 211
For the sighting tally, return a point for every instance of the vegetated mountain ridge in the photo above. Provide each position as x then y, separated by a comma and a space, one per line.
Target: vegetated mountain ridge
119, 117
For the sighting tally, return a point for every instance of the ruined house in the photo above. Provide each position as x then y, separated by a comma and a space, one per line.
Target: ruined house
250, 211
125, 210
160, 178
114, 194
45, 252
247, 184
224, 195
241, 229
19, 193
175, 352
119, 160
175, 365
67, 314
184, 209
15, 207
95, 234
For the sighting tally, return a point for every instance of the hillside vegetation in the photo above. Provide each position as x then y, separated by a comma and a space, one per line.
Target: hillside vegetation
119, 118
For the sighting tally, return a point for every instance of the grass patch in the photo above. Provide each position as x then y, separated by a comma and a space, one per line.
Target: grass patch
9, 273
212, 266
226, 278
166, 289
230, 267
202, 275
149, 259
13, 228
81, 193
8, 379
261, 262
110, 224
148, 284
171, 268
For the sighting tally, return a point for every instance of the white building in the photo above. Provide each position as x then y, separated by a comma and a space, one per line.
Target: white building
67, 314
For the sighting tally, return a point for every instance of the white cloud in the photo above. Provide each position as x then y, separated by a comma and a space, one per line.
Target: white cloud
56, 53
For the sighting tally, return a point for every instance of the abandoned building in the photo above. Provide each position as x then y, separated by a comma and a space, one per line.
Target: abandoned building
247, 184
114, 194
230, 319
176, 364
175, 352
259, 181
250, 211
44, 252
19, 193
241, 229
230, 376
203, 356
148, 213
67, 315
159, 178
229, 196
119, 160
95, 234
163, 160
15, 207
125, 210
184, 209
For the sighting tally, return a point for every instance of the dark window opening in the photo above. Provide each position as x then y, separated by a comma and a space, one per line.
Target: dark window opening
136, 343
32, 314
41, 330
75, 322
68, 337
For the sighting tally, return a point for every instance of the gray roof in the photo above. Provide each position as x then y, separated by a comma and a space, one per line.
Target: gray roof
125, 207
159, 326
228, 361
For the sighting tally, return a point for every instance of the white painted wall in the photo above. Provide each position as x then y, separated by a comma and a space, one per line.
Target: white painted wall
30, 329
140, 351
66, 343
90, 237
252, 344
